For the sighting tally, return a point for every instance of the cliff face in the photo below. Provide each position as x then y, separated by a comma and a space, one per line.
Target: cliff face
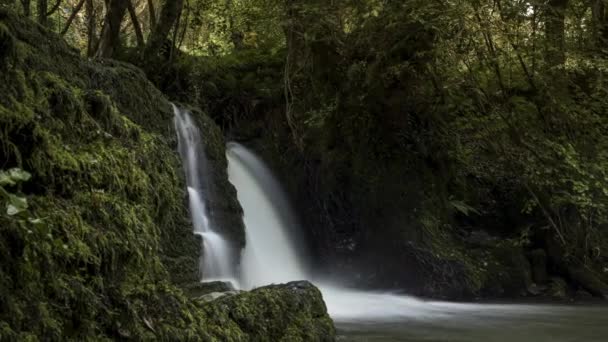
95, 235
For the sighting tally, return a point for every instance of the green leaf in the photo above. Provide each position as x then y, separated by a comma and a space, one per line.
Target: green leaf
14, 176
35, 221
463, 207
5, 179
16, 205
19, 175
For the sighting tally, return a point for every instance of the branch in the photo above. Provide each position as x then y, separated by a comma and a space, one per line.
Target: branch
136, 26
152, 14
54, 8
72, 16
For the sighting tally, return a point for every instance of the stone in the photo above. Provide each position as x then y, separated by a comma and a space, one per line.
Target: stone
536, 290
198, 289
558, 288
289, 312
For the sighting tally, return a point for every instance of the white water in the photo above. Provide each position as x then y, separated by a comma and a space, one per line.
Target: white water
271, 256
216, 254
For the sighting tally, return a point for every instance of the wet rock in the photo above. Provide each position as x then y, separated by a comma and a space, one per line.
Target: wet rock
290, 312
558, 288
536, 290
200, 289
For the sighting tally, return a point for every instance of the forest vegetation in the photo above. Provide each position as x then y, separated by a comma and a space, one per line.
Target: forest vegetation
448, 148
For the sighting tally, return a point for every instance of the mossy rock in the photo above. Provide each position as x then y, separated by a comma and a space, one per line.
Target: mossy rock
294, 312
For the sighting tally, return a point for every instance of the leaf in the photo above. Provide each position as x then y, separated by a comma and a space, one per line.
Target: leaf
463, 208
14, 176
5, 179
16, 205
35, 221
19, 175
11, 210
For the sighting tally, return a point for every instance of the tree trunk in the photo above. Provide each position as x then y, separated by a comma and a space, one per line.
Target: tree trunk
26, 7
91, 28
138, 34
110, 34
72, 16
152, 14
168, 16
54, 8
42, 9
599, 25
555, 50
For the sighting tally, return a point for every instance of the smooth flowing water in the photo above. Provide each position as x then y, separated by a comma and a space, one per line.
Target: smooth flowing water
485, 322
271, 256
216, 254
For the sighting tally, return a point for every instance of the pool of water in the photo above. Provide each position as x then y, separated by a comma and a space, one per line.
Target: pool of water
453, 322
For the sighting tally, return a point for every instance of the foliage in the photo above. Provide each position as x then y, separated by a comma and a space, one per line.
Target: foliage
489, 115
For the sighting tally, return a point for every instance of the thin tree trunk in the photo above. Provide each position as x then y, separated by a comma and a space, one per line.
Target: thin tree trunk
110, 35
152, 14
599, 24
185, 28
72, 16
169, 14
555, 54
138, 34
54, 8
27, 11
91, 28
42, 9
175, 33
555, 50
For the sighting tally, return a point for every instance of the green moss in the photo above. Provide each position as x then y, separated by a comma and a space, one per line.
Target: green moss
292, 312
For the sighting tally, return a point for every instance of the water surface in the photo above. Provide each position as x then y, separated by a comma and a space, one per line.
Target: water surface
482, 322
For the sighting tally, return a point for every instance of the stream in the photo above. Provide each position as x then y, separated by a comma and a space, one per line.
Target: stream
483, 322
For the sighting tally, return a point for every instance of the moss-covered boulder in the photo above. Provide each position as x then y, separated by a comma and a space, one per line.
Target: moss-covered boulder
294, 312
93, 244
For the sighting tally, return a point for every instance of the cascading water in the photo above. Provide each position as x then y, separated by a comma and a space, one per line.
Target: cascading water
270, 254
215, 263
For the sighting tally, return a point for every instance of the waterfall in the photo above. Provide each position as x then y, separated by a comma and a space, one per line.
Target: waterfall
271, 254
215, 262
